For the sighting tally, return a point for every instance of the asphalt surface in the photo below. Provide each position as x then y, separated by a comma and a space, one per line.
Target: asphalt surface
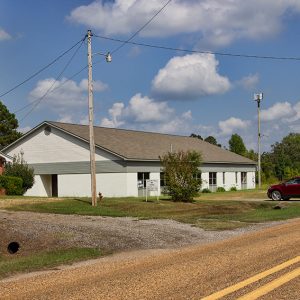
188, 273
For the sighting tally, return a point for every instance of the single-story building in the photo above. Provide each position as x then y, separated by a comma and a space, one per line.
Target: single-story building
125, 159
4, 158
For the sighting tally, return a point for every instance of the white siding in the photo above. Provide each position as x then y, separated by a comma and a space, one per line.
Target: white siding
109, 184
251, 180
220, 179
205, 180
132, 188
56, 147
42, 186
229, 180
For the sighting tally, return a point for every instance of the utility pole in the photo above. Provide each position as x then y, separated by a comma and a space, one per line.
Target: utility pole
258, 98
91, 120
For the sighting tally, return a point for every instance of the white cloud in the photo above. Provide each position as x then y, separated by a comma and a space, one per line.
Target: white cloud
231, 125
278, 111
4, 35
65, 119
63, 96
139, 110
190, 77
249, 82
220, 22
98, 86
143, 113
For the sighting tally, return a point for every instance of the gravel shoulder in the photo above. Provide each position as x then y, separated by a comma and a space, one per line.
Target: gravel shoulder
36, 232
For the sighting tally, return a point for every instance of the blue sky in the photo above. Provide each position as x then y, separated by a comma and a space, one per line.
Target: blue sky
152, 89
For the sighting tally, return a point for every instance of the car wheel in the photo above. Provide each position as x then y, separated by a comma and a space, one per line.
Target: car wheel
276, 195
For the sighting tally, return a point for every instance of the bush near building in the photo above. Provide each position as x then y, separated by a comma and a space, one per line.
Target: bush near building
182, 174
19, 168
11, 185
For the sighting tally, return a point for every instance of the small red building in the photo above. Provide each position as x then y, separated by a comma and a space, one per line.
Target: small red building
3, 160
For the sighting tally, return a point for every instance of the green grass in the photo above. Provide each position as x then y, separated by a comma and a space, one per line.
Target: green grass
207, 214
14, 264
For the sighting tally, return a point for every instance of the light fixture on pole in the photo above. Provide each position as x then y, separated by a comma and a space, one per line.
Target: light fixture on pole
91, 115
258, 98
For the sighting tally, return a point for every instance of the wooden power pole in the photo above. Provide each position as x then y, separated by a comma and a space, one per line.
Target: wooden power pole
91, 120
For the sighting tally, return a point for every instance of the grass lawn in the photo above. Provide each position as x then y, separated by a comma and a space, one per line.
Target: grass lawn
10, 265
211, 211
214, 211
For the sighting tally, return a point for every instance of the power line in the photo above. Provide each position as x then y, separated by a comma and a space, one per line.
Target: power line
42, 69
146, 24
56, 88
199, 51
39, 100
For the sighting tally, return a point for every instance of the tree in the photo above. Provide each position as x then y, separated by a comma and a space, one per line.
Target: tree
8, 127
212, 140
196, 136
236, 145
182, 174
19, 168
286, 156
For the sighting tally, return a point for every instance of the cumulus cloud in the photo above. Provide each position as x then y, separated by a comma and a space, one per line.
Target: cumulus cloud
190, 77
219, 22
278, 111
4, 35
143, 113
63, 96
249, 82
140, 109
66, 98
231, 125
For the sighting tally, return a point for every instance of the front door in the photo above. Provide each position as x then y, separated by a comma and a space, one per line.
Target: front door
54, 185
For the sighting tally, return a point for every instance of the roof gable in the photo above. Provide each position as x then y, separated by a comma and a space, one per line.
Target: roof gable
139, 145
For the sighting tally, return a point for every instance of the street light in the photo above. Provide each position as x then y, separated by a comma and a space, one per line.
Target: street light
91, 115
258, 97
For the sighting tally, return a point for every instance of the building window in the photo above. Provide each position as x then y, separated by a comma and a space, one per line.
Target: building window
142, 177
224, 178
236, 178
244, 180
213, 181
163, 181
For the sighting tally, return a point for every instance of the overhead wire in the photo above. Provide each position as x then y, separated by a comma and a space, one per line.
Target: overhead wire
199, 51
42, 69
56, 88
145, 25
40, 99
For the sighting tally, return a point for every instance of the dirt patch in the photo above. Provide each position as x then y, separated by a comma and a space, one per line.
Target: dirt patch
36, 232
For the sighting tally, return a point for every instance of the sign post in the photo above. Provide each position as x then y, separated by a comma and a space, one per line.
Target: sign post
152, 185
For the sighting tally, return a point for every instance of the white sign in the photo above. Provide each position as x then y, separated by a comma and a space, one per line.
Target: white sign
152, 184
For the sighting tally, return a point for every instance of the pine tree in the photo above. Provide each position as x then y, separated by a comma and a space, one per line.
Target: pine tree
8, 127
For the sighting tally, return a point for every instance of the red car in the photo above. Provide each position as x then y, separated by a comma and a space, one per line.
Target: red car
286, 190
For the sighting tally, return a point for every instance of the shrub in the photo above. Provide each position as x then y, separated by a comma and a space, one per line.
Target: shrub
12, 185
182, 174
206, 190
19, 168
233, 189
220, 189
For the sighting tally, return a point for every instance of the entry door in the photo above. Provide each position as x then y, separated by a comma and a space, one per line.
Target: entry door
54, 185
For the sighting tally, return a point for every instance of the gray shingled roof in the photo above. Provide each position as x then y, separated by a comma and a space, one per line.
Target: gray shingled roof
140, 145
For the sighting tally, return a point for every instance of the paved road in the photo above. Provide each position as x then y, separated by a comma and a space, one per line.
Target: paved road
261, 264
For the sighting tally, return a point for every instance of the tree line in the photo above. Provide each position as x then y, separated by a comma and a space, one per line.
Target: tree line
280, 163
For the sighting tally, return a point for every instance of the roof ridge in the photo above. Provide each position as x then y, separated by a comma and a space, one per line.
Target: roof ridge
123, 129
